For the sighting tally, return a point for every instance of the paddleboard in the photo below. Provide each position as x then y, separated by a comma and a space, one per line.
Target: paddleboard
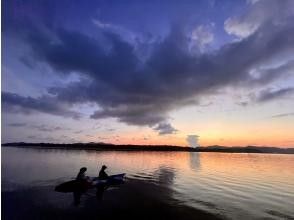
74, 185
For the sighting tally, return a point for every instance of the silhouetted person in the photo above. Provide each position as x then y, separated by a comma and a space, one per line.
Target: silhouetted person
102, 173
101, 187
82, 184
82, 174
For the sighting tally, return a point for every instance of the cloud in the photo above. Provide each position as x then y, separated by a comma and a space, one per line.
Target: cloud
101, 24
192, 140
144, 92
268, 74
206, 104
42, 127
203, 36
269, 95
46, 128
252, 1
242, 103
15, 103
164, 128
123, 32
17, 124
240, 29
132, 114
259, 13
283, 115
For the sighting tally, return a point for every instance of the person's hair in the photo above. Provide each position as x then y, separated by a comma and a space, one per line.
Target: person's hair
104, 167
83, 169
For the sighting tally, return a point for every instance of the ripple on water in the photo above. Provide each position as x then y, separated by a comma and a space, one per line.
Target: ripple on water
237, 186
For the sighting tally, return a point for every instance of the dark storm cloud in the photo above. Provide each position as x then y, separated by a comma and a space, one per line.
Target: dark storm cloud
269, 95
15, 103
138, 115
164, 128
143, 92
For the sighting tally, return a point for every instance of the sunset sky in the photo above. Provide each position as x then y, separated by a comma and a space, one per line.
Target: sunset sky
148, 72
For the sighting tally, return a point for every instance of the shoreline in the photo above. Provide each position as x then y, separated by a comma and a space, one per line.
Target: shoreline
152, 148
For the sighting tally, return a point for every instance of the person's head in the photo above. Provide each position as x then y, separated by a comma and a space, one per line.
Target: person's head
104, 167
83, 169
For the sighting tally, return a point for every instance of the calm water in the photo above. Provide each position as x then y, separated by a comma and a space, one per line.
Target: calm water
237, 186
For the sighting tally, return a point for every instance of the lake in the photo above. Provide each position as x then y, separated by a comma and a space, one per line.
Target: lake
228, 185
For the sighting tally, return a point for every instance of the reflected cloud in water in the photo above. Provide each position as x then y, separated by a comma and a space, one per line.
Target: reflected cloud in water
209, 181
195, 162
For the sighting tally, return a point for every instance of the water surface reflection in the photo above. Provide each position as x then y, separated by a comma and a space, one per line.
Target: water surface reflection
238, 186
195, 161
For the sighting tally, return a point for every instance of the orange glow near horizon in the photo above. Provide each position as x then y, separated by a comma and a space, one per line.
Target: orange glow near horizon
224, 133
205, 140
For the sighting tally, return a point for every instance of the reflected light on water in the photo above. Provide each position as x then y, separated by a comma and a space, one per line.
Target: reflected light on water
237, 186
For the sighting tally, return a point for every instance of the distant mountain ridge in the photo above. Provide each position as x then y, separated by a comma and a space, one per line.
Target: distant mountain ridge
108, 147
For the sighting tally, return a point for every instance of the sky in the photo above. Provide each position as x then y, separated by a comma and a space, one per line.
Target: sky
205, 72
